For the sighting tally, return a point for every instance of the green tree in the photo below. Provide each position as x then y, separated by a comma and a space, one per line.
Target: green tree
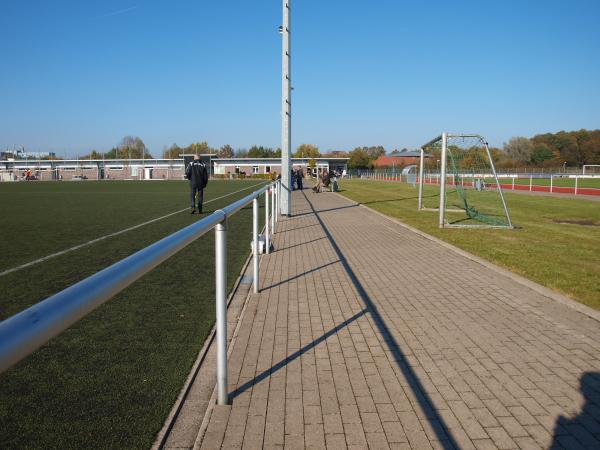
307, 151
541, 152
263, 152
359, 159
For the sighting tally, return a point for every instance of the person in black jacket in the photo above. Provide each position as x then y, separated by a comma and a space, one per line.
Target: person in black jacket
197, 174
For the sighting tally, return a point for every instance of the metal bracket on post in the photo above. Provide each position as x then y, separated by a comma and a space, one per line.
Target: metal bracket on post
221, 300
255, 242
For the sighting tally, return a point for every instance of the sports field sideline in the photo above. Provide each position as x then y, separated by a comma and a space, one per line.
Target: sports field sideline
121, 368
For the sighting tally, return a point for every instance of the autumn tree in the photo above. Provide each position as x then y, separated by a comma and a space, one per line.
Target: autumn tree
226, 151
173, 152
307, 151
519, 149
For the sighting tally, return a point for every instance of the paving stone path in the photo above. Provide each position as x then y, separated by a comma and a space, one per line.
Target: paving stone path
367, 335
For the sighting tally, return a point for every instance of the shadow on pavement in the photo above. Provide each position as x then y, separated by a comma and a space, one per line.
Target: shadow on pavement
299, 275
442, 432
582, 431
284, 362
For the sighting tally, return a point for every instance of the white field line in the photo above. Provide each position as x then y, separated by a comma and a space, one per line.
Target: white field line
116, 233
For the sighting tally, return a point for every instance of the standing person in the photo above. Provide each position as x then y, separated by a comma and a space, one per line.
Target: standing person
299, 177
197, 174
292, 179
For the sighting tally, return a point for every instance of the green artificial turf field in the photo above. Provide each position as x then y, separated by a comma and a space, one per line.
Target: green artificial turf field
111, 379
556, 245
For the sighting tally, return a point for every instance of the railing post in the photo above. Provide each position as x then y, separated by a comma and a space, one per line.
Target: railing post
221, 300
274, 207
255, 242
267, 238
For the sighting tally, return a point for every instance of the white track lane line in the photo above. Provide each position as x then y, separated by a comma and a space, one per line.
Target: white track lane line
116, 233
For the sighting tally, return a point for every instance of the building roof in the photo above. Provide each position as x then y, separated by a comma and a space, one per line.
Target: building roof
408, 154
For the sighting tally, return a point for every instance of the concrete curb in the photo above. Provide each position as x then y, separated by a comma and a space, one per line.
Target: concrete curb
163, 435
544, 291
213, 398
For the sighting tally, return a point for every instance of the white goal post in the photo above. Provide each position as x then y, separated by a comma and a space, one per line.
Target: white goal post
466, 182
585, 166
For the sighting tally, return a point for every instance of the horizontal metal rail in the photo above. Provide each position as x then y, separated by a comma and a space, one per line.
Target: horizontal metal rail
23, 333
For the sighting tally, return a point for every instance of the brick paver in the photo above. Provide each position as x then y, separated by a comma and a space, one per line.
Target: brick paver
367, 335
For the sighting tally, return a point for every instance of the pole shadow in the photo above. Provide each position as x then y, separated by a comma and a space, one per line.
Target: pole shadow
442, 432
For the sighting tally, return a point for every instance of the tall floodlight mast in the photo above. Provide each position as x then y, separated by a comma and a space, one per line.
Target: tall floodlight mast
286, 112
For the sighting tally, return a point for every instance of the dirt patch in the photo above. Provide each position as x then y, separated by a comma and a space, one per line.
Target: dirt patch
587, 223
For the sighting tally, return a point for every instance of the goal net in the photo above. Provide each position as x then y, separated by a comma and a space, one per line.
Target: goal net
458, 179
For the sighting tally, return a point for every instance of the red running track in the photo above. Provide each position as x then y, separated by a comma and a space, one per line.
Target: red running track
534, 188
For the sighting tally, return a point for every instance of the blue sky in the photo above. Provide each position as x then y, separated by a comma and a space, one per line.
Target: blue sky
80, 75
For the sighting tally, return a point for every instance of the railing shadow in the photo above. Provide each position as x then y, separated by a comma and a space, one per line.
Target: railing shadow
294, 229
442, 432
295, 277
582, 431
300, 244
284, 362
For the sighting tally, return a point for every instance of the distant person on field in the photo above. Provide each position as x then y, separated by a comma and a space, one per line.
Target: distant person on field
197, 174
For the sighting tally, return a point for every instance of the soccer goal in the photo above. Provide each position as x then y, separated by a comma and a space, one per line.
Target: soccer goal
591, 169
458, 179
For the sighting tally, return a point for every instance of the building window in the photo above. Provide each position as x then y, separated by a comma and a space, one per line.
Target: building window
237, 169
254, 169
267, 169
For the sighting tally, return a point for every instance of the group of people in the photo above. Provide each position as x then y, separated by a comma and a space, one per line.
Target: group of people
328, 177
197, 174
297, 179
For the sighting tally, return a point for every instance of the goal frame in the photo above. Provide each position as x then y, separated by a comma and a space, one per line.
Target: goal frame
442, 222
588, 165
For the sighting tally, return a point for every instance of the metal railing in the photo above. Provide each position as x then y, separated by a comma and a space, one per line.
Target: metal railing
28, 330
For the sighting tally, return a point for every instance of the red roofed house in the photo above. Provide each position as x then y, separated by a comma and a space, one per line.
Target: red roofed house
402, 159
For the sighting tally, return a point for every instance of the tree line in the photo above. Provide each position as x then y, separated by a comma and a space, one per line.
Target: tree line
570, 148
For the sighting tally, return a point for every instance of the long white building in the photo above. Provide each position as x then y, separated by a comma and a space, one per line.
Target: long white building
153, 169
